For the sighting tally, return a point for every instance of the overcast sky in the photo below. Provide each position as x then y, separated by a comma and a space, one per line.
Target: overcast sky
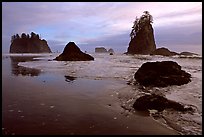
177, 25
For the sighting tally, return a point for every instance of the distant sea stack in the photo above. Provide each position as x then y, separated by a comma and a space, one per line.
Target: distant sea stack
100, 50
142, 36
103, 50
28, 44
73, 53
111, 50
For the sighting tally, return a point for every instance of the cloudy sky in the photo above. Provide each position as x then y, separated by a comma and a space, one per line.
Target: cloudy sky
177, 25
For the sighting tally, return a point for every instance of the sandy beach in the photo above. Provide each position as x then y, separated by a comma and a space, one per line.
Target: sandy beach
54, 104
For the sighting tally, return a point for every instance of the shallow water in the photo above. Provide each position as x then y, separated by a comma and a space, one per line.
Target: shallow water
41, 96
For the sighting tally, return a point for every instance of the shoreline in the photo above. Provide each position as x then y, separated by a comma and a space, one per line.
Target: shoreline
35, 105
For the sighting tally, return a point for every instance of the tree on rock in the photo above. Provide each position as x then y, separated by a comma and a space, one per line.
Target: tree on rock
142, 37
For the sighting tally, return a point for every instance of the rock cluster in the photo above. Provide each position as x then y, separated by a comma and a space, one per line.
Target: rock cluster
28, 44
103, 50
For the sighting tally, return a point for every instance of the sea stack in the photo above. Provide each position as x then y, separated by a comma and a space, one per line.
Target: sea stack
142, 36
100, 50
28, 44
73, 53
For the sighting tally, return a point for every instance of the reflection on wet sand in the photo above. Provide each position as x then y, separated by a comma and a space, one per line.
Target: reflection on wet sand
24, 71
69, 78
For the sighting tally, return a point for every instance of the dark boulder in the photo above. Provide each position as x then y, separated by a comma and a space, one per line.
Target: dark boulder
27, 44
161, 74
73, 53
143, 42
158, 103
164, 52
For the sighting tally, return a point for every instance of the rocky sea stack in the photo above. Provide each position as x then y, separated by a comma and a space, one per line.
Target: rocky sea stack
28, 44
100, 50
142, 36
73, 53
161, 74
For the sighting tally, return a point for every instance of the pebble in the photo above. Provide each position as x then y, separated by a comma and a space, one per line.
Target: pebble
115, 118
52, 106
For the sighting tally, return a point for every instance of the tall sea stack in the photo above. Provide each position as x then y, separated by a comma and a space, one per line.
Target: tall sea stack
28, 44
142, 36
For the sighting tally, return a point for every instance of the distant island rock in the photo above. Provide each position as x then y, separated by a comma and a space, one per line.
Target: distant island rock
164, 52
111, 50
161, 74
103, 50
188, 53
142, 36
73, 53
28, 44
100, 50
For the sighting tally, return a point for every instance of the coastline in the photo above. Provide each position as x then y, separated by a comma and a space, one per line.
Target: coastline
48, 104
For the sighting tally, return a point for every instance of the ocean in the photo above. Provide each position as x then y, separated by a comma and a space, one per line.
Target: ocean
43, 96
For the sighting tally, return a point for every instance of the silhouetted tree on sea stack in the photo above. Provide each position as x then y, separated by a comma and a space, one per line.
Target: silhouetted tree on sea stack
142, 36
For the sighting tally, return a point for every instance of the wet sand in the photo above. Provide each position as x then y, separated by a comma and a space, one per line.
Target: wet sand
54, 104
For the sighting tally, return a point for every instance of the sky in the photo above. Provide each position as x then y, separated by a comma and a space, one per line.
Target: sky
177, 25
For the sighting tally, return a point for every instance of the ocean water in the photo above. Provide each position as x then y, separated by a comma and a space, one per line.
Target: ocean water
121, 68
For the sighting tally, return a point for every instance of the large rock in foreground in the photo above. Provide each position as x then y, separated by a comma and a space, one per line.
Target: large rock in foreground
27, 44
73, 53
161, 74
143, 42
158, 103
164, 52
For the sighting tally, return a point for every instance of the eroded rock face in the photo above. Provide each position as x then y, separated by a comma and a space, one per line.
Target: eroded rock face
143, 42
164, 52
27, 44
161, 74
73, 53
158, 103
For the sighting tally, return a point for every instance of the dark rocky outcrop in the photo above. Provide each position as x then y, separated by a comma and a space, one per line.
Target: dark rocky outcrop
73, 53
161, 74
70, 78
142, 36
100, 50
143, 43
27, 44
164, 52
158, 103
